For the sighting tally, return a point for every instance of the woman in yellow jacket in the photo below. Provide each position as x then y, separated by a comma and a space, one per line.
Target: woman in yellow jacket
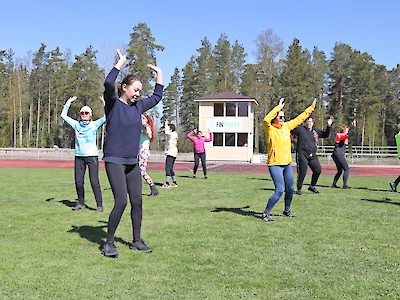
277, 133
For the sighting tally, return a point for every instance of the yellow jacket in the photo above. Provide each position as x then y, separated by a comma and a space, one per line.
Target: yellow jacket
278, 139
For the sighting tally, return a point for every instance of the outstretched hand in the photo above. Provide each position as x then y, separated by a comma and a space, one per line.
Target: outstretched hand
121, 61
154, 68
314, 102
281, 102
71, 99
120, 55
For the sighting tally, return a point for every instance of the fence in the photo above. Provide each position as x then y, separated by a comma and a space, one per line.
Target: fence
378, 155
68, 154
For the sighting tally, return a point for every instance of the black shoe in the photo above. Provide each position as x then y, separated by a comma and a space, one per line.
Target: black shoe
288, 214
79, 207
299, 192
346, 187
109, 250
205, 177
100, 209
140, 245
194, 176
267, 218
393, 186
153, 190
334, 186
313, 189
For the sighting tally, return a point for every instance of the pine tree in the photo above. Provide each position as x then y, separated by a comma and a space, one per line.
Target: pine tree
188, 107
363, 96
320, 68
339, 74
238, 59
295, 79
38, 89
142, 51
6, 68
222, 54
205, 68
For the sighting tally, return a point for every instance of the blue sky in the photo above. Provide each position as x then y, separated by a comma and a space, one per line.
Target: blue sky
368, 26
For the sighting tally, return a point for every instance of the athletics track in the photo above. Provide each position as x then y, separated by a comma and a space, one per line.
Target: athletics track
248, 168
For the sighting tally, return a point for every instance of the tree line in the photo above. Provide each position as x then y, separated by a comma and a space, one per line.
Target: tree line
348, 84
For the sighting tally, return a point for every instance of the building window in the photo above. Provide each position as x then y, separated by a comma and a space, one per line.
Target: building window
230, 109
230, 140
242, 109
242, 140
218, 109
218, 139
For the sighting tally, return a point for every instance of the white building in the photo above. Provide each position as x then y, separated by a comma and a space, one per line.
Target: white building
230, 117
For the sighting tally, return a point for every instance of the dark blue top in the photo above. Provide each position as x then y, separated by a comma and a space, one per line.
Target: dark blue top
124, 122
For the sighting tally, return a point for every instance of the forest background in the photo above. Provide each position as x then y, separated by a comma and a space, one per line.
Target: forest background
348, 83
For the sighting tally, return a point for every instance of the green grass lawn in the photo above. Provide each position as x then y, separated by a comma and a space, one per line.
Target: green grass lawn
207, 237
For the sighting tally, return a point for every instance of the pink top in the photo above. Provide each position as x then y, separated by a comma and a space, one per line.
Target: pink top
198, 143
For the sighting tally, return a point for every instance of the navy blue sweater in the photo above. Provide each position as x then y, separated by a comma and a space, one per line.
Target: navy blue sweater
124, 122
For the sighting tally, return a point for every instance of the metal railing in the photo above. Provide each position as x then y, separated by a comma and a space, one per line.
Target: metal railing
68, 154
378, 155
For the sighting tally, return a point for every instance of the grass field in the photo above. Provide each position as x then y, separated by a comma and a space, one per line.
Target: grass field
207, 237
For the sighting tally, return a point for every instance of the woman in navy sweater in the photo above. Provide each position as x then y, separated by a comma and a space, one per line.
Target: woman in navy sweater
121, 149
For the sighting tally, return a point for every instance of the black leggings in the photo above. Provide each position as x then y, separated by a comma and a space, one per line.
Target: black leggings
80, 164
202, 157
341, 165
125, 179
169, 165
304, 160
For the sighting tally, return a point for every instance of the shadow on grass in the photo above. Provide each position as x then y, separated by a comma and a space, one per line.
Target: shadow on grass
95, 234
386, 200
240, 211
70, 203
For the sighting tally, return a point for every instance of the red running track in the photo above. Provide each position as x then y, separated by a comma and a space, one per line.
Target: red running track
327, 169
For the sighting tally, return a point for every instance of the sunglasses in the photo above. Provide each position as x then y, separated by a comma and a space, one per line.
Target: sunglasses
281, 117
85, 113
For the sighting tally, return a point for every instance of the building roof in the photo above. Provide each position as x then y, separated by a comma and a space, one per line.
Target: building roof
226, 96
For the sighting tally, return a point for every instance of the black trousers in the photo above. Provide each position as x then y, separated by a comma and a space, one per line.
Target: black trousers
305, 160
125, 180
342, 167
80, 163
169, 165
200, 156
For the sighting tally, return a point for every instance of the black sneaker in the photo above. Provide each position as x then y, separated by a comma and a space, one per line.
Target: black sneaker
288, 214
140, 245
313, 189
109, 250
194, 176
346, 187
79, 207
299, 192
100, 209
393, 186
205, 177
334, 186
267, 218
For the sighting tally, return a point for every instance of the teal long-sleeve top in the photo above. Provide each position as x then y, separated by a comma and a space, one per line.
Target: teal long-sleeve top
85, 133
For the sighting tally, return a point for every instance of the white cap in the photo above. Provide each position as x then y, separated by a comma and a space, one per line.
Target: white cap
86, 108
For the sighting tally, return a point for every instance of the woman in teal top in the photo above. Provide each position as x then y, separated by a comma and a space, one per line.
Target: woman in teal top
86, 152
